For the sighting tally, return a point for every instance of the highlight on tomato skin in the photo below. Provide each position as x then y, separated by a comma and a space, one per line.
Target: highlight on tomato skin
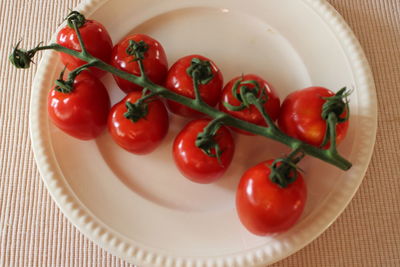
83, 112
179, 81
192, 162
265, 208
143, 136
300, 116
154, 61
250, 114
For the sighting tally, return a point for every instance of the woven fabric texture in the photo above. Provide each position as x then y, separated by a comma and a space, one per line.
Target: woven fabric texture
33, 231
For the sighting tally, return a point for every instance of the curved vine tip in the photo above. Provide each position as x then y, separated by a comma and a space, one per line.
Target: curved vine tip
77, 18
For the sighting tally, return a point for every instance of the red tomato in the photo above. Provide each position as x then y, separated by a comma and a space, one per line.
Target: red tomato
97, 42
250, 114
179, 81
300, 116
144, 135
155, 62
193, 162
263, 206
83, 112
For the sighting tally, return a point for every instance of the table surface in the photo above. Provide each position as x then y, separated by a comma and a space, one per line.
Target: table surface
33, 231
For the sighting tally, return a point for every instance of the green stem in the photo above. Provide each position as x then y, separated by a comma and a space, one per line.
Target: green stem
147, 96
260, 107
332, 122
81, 43
75, 72
143, 74
206, 139
293, 155
196, 88
271, 132
214, 125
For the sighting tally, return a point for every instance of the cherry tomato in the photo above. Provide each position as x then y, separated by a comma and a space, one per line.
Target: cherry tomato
250, 114
193, 162
155, 61
179, 81
141, 136
263, 206
300, 116
83, 112
97, 42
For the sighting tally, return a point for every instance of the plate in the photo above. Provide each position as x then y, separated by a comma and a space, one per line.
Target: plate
139, 207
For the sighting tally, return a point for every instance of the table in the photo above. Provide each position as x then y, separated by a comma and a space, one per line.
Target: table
33, 232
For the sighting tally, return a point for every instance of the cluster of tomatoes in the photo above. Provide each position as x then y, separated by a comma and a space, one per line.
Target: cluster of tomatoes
139, 123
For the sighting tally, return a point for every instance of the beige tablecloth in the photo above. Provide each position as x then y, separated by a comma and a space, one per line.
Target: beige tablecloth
33, 232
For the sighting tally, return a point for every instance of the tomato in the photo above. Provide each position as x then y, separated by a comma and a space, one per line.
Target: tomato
193, 162
154, 62
300, 116
263, 206
97, 42
250, 113
179, 81
83, 112
143, 135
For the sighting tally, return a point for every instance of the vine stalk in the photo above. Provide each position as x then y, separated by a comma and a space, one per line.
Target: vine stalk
270, 131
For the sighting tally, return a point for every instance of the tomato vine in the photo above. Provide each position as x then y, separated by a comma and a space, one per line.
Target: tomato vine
200, 73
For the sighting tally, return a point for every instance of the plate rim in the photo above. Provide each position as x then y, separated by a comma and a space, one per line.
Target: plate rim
100, 234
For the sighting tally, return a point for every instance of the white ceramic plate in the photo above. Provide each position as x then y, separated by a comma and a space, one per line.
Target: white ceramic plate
141, 208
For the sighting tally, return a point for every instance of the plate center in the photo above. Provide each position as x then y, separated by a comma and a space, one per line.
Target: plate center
247, 45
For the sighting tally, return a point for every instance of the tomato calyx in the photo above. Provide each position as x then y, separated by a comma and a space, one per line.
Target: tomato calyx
284, 171
200, 71
209, 146
136, 111
64, 86
137, 49
139, 109
75, 18
338, 104
332, 112
207, 142
250, 93
247, 95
